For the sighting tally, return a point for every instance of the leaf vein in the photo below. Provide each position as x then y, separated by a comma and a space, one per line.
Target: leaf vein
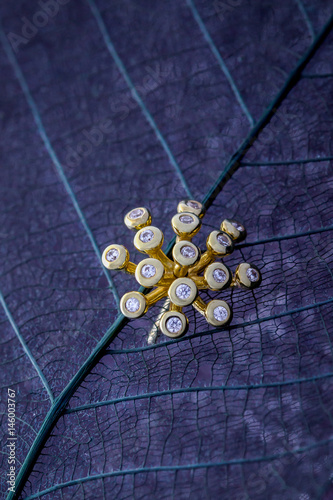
162, 468
220, 60
120, 65
286, 237
293, 78
230, 327
48, 146
186, 390
306, 18
286, 162
25, 347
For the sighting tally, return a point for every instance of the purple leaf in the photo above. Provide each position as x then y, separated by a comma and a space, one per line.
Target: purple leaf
112, 105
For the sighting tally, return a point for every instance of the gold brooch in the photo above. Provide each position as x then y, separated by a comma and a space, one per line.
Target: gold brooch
189, 271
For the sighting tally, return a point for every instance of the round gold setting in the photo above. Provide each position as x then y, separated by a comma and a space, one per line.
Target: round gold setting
173, 324
148, 239
137, 218
133, 304
182, 291
191, 206
185, 253
149, 272
120, 261
234, 228
247, 276
186, 224
220, 243
214, 273
218, 313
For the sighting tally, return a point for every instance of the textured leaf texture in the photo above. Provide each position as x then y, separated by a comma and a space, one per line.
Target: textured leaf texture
111, 105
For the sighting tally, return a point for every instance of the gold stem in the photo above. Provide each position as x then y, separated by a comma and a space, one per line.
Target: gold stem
166, 281
200, 282
174, 307
130, 268
179, 270
155, 295
200, 306
205, 259
183, 238
234, 282
160, 255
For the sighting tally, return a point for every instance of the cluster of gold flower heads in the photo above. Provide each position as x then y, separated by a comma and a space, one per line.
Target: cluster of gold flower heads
189, 271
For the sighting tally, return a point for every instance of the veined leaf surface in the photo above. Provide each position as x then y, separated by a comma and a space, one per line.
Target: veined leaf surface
112, 105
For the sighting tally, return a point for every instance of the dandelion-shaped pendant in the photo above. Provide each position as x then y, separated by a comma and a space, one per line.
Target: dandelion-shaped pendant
180, 279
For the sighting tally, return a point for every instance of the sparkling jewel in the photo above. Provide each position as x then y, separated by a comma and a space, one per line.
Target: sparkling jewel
192, 204
187, 252
112, 255
237, 225
132, 304
223, 240
174, 324
136, 213
252, 274
146, 235
183, 291
186, 219
219, 275
220, 313
148, 271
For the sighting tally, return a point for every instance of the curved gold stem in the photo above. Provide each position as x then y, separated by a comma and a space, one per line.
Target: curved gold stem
130, 268
165, 281
200, 282
179, 270
174, 307
184, 238
205, 259
200, 306
160, 255
234, 282
155, 295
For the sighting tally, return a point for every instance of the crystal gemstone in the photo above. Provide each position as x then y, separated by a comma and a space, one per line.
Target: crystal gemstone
183, 291
192, 204
148, 271
186, 219
136, 213
174, 324
252, 274
237, 225
187, 252
132, 304
223, 240
220, 313
146, 235
219, 275
112, 255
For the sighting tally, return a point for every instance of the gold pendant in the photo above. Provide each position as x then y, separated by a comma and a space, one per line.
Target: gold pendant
189, 271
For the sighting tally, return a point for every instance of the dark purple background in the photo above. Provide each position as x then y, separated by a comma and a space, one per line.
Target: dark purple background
173, 90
